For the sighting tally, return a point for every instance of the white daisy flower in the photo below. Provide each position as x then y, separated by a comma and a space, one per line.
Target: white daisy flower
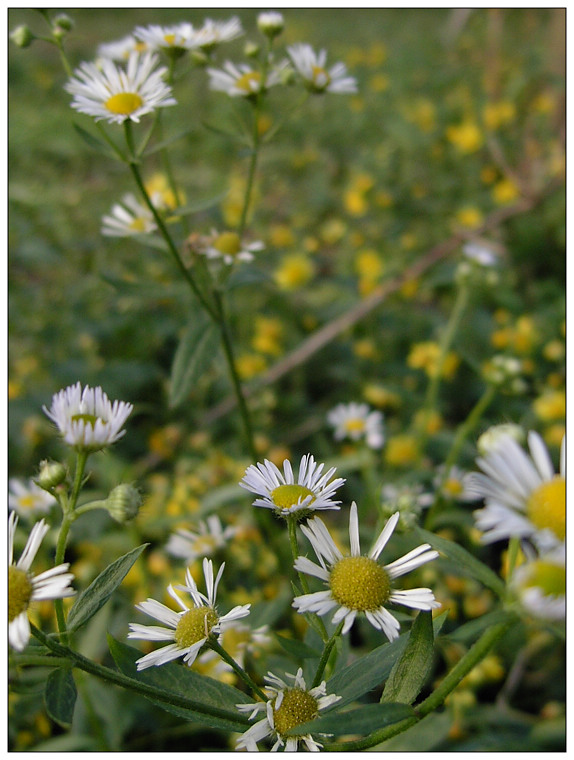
357, 421
287, 707
209, 537
243, 81
358, 583
452, 484
26, 498
311, 67
270, 23
188, 629
115, 93
523, 495
229, 247
213, 33
25, 588
497, 433
481, 253
120, 50
280, 492
86, 417
128, 218
541, 585
177, 38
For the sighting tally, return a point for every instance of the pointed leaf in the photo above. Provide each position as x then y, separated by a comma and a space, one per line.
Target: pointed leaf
193, 356
465, 561
409, 674
164, 143
100, 590
94, 142
361, 720
60, 696
297, 648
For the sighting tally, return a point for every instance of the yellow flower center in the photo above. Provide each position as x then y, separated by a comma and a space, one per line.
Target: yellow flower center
124, 103
546, 507
228, 243
360, 583
195, 625
27, 502
138, 224
249, 82
287, 496
355, 425
90, 419
452, 487
19, 592
297, 707
169, 39
320, 77
548, 576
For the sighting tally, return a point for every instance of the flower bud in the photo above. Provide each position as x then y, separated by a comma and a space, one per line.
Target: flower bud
124, 503
490, 439
22, 36
61, 25
251, 50
271, 23
51, 474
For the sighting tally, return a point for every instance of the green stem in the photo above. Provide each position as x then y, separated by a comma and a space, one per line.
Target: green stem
449, 683
139, 687
245, 677
252, 170
312, 618
326, 654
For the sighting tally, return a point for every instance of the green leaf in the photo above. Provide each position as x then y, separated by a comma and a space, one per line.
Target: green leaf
465, 561
100, 589
360, 720
409, 674
192, 358
470, 631
423, 736
297, 648
94, 142
180, 680
60, 696
203, 205
167, 141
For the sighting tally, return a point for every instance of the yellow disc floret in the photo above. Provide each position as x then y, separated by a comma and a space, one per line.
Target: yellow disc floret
297, 706
228, 243
249, 82
546, 507
548, 576
289, 495
360, 583
355, 425
19, 592
195, 625
90, 419
124, 103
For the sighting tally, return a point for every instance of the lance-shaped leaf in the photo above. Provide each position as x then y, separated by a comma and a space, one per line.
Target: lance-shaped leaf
193, 356
99, 591
60, 696
410, 672
360, 720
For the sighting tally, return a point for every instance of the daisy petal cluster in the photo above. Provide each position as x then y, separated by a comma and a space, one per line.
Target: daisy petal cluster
243, 81
188, 629
357, 421
115, 93
540, 585
312, 68
86, 418
128, 218
229, 248
179, 37
279, 491
26, 498
358, 583
25, 588
210, 536
120, 50
523, 495
213, 33
288, 706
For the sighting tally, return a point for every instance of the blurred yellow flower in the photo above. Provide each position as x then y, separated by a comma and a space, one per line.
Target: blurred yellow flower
554, 434
162, 195
369, 264
550, 406
163, 441
544, 103
498, 114
426, 355
376, 55
379, 83
250, 365
383, 199
355, 203
466, 136
428, 421
488, 174
333, 230
408, 241
505, 191
268, 336
402, 450
470, 217
365, 349
264, 123
281, 236
381, 397
409, 288
294, 271
423, 114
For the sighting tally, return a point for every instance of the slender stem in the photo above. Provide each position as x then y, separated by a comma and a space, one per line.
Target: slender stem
140, 687
312, 618
326, 654
216, 646
474, 655
252, 170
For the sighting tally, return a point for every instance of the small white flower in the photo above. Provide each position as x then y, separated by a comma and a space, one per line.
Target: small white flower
243, 81
287, 707
280, 492
209, 537
356, 421
358, 583
213, 33
128, 218
453, 485
480, 253
179, 37
25, 588
229, 247
120, 50
86, 418
188, 629
496, 434
116, 93
541, 585
270, 23
523, 495
26, 498
311, 67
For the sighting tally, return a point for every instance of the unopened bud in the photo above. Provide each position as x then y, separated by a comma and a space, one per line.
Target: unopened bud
124, 503
251, 50
51, 474
61, 25
270, 23
492, 437
22, 36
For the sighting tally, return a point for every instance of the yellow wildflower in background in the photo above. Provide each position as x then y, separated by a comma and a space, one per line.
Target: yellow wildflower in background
429, 422
505, 191
268, 336
402, 450
488, 174
554, 351
365, 349
426, 355
550, 406
554, 434
498, 114
332, 231
379, 83
466, 136
294, 271
281, 236
383, 199
250, 365
423, 114
470, 217
369, 266
381, 397
355, 202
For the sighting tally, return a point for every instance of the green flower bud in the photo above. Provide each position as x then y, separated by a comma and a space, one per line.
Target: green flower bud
51, 474
199, 57
251, 50
62, 24
124, 503
270, 23
22, 36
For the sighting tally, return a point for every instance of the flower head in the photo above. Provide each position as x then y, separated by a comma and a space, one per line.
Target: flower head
356, 421
243, 81
229, 247
128, 218
171, 39
25, 588
209, 537
86, 418
523, 495
540, 584
120, 50
115, 93
280, 492
287, 707
188, 629
213, 33
358, 583
26, 498
311, 67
